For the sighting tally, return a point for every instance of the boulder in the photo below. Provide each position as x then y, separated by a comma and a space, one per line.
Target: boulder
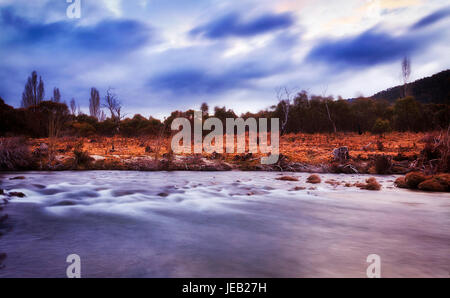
215, 155
314, 179
341, 154
16, 194
287, 178
400, 182
43, 148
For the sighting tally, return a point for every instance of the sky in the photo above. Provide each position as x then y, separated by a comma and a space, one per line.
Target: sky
166, 55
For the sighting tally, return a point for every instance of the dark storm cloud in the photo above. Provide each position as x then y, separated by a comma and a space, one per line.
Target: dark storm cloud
233, 24
367, 49
432, 18
192, 81
105, 36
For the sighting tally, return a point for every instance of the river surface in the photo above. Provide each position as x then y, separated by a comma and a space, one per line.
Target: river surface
219, 224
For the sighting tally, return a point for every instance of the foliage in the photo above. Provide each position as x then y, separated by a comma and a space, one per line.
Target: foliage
381, 126
81, 157
14, 154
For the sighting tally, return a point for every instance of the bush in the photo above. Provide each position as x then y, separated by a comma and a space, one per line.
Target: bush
371, 184
436, 152
381, 126
439, 182
83, 129
81, 158
14, 154
383, 164
413, 179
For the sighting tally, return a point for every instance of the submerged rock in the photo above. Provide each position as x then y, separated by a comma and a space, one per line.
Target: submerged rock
3, 218
297, 188
314, 179
287, 178
65, 203
17, 178
17, 194
371, 184
400, 182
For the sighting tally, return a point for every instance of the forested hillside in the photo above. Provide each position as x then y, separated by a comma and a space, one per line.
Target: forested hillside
433, 89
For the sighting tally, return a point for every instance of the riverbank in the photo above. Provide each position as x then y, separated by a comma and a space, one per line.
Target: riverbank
394, 153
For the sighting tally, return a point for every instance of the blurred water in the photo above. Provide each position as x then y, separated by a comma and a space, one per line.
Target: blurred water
220, 224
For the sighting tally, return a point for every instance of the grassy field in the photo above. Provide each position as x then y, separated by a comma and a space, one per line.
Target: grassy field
305, 148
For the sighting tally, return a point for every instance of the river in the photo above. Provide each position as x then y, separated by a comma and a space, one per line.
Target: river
219, 224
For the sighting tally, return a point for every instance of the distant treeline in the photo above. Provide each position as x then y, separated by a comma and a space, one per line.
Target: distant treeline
433, 89
305, 114
299, 112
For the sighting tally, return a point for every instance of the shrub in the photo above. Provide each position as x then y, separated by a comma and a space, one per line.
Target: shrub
371, 184
436, 152
381, 126
81, 157
14, 154
383, 164
83, 129
314, 179
439, 182
413, 179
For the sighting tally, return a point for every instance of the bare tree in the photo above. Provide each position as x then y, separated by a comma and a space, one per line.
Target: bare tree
114, 106
73, 106
56, 95
102, 116
34, 92
328, 109
58, 115
406, 73
94, 103
284, 96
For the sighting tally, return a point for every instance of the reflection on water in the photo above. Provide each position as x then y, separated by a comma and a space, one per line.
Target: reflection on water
226, 224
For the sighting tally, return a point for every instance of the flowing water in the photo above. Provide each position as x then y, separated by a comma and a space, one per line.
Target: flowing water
219, 224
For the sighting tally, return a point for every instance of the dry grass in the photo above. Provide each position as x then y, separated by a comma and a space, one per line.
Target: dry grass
14, 154
312, 149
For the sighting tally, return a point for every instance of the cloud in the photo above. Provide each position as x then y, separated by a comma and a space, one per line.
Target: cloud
106, 36
196, 81
233, 24
367, 49
432, 18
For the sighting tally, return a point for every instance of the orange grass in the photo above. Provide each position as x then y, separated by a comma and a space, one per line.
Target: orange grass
306, 148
